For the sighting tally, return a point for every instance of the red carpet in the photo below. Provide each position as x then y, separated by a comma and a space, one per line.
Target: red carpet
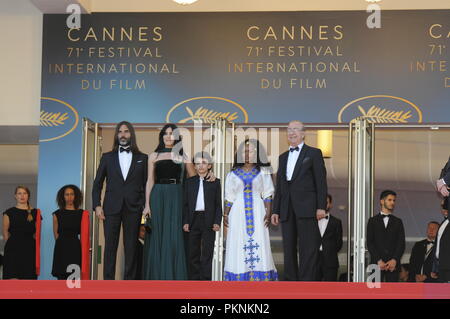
12, 289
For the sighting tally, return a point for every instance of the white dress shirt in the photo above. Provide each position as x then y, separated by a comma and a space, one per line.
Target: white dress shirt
439, 235
200, 205
323, 223
292, 160
385, 219
125, 162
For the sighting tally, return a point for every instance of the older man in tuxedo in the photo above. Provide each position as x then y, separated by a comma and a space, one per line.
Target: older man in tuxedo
421, 259
125, 171
300, 201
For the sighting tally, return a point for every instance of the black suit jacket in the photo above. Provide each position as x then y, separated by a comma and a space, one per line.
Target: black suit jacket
119, 191
385, 243
307, 189
417, 260
212, 195
332, 242
444, 252
445, 173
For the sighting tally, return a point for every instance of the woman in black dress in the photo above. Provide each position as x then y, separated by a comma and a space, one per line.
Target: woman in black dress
21, 231
71, 231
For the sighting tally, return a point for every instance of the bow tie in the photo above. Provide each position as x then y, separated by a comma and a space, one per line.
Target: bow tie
445, 218
327, 217
291, 149
430, 242
385, 216
123, 149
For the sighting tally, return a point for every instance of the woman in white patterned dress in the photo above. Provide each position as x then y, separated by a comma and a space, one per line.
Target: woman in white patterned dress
248, 195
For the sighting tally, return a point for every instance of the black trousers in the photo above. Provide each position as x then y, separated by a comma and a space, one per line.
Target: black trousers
201, 248
324, 271
130, 224
301, 239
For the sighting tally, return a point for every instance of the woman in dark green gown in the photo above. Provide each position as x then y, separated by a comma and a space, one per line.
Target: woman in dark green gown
164, 250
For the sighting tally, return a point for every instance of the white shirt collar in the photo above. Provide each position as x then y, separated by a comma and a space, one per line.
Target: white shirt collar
299, 146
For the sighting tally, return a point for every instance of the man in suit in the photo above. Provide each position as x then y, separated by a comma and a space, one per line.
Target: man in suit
386, 238
125, 171
442, 184
202, 216
441, 252
330, 229
300, 201
421, 259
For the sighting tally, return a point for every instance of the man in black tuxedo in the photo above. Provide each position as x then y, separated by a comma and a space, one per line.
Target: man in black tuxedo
442, 184
330, 229
386, 238
300, 201
125, 171
421, 259
202, 216
441, 252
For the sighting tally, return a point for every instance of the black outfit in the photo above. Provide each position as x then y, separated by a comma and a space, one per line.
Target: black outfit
386, 243
331, 244
201, 236
68, 245
19, 261
442, 265
123, 204
445, 174
296, 202
421, 261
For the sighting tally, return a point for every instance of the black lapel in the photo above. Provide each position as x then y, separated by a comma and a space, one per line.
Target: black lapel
283, 164
196, 188
117, 164
299, 161
329, 225
134, 159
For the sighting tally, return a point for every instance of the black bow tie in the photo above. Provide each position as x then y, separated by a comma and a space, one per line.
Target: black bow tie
445, 218
291, 149
383, 215
123, 149
430, 242
327, 217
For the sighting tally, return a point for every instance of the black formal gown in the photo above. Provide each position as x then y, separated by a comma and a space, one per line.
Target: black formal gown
67, 246
19, 261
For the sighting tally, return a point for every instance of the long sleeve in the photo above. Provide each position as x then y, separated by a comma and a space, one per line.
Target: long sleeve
414, 260
218, 204
98, 183
446, 178
400, 245
277, 198
230, 189
186, 203
339, 236
320, 178
375, 255
268, 188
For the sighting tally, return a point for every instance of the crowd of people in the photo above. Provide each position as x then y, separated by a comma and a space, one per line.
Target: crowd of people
163, 198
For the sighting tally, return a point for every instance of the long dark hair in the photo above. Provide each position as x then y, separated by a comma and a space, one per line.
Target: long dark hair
133, 143
261, 155
177, 136
62, 202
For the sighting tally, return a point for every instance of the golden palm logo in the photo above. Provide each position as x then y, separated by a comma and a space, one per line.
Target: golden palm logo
385, 109
197, 112
53, 119
57, 119
379, 115
205, 115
